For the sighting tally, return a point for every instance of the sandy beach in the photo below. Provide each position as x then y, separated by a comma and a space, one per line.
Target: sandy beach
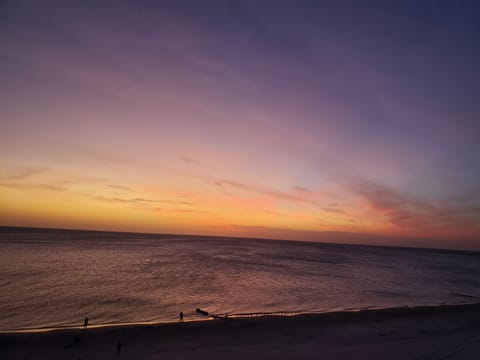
443, 332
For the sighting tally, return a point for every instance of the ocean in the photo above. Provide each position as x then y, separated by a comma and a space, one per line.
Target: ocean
54, 278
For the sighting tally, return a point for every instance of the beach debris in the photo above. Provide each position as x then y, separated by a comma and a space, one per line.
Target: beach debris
206, 313
461, 295
203, 312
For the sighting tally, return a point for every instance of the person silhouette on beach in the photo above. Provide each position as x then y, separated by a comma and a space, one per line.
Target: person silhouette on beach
181, 316
85, 322
119, 347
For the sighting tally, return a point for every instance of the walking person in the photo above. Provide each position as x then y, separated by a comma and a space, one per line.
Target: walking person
85, 323
181, 316
119, 347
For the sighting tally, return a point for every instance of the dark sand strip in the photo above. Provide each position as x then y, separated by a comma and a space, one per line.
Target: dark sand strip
442, 332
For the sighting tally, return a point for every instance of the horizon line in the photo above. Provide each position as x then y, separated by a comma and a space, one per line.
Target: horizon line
260, 238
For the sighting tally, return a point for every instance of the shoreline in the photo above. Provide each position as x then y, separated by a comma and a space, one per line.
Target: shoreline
423, 332
244, 316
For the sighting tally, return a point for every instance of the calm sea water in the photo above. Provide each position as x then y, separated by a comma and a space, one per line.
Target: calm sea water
56, 277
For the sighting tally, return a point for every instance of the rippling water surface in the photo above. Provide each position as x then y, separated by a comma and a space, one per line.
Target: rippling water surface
57, 277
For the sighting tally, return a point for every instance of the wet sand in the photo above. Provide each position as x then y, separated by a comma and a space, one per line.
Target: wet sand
443, 332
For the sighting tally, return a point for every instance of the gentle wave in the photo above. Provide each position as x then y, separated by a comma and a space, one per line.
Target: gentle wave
54, 278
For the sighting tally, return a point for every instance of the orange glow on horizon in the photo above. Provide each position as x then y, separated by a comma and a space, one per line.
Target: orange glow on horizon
230, 210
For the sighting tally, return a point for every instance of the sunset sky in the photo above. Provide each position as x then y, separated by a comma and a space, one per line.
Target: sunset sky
350, 121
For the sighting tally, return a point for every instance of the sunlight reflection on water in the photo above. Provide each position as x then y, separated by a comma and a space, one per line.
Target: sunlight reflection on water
56, 278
